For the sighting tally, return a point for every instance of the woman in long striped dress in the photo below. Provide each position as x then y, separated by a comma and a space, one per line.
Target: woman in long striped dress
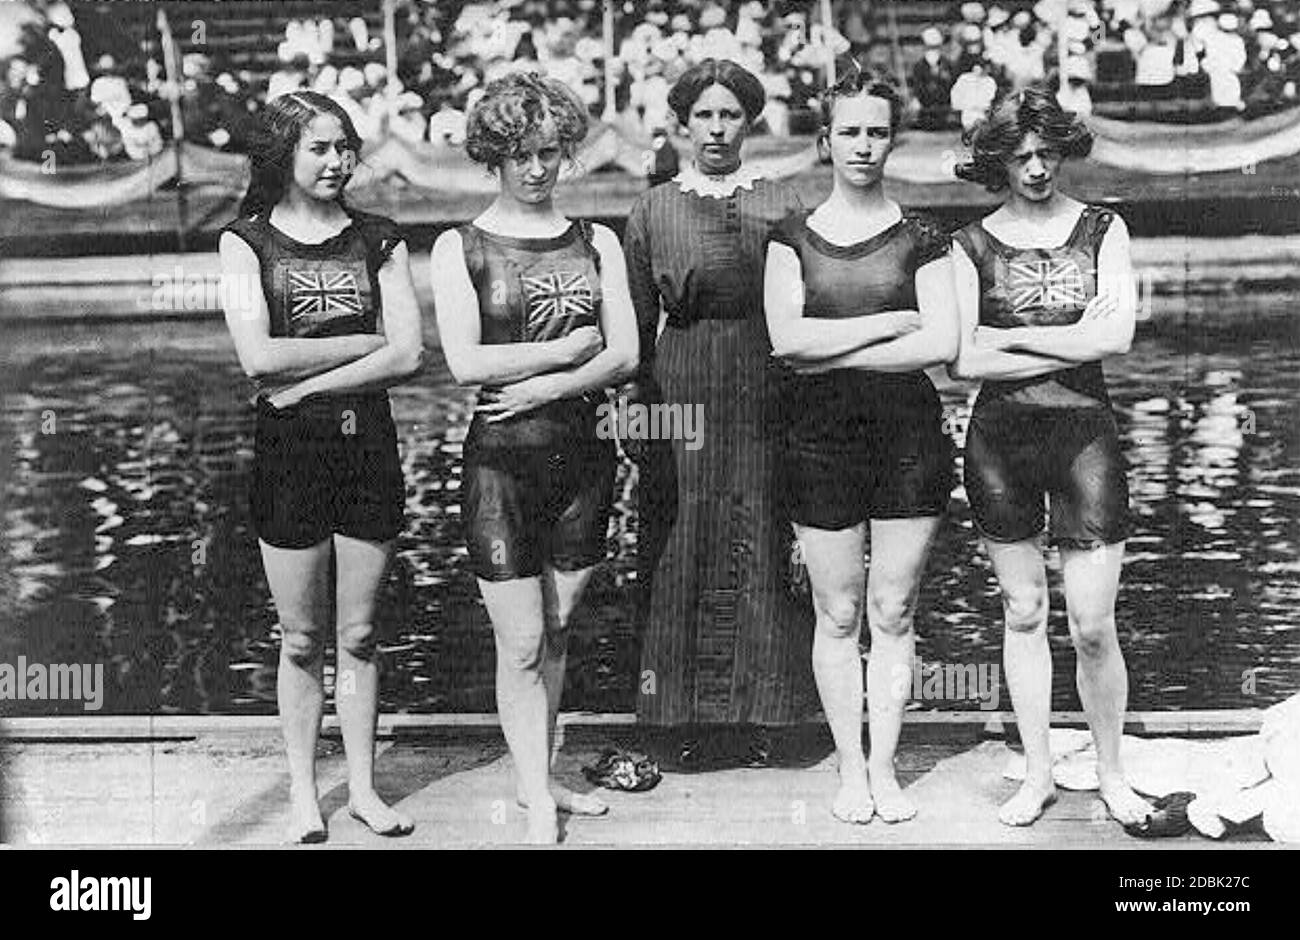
724, 642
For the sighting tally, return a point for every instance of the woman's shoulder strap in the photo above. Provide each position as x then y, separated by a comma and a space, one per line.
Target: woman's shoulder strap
380, 233
932, 239
789, 229
1094, 222
973, 240
587, 232
249, 228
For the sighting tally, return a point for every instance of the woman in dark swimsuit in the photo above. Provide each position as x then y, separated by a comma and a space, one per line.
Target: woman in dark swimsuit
535, 308
859, 301
308, 283
1045, 291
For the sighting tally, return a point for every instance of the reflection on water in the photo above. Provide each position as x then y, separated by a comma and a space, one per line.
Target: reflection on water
125, 536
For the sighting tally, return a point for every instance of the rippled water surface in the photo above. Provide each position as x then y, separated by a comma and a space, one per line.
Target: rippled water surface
125, 538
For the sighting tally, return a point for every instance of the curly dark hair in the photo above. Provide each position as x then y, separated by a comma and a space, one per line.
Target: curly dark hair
272, 145
707, 72
513, 109
1010, 118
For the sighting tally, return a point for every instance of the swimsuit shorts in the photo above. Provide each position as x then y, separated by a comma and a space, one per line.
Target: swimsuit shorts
326, 466
1016, 456
530, 507
896, 465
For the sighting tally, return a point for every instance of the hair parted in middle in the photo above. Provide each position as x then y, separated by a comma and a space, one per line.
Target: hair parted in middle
859, 81
275, 141
707, 72
513, 110
1032, 110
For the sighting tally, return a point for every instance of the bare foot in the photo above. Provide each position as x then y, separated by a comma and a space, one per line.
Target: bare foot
892, 804
1125, 805
1028, 804
853, 803
377, 816
543, 827
306, 827
570, 801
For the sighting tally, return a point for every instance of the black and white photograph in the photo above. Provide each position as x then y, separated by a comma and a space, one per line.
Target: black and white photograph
696, 424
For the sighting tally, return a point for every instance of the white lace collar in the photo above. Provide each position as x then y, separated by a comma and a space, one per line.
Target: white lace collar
691, 180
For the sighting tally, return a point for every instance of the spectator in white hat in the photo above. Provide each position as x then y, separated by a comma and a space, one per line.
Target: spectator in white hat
407, 121
141, 138
1224, 60
447, 127
972, 94
63, 33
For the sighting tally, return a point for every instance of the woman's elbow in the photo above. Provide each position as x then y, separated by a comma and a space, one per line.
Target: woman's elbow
461, 371
945, 348
412, 361
785, 347
1119, 343
626, 365
962, 368
256, 364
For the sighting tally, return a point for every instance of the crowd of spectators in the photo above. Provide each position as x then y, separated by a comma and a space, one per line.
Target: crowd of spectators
84, 101
1218, 58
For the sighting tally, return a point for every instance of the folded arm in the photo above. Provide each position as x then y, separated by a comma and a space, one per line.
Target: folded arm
275, 360
799, 339
1107, 326
397, 360
473, 362
616, 361
934, 343
976, 361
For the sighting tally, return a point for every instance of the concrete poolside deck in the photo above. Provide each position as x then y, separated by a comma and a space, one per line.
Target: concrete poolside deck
222, 783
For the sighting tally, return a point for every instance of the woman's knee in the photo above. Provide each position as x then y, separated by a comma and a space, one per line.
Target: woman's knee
1025, 607
839, 615
302, 646
1093, 633
357, 639
890, 609
522, 650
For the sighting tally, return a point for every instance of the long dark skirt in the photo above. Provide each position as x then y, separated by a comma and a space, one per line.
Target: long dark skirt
724, 638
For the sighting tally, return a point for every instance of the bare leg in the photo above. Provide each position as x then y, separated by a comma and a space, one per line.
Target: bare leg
1028, 661
561, 591
899, 549
360, 569
518, 620
1091, 583
836, 571
299, 581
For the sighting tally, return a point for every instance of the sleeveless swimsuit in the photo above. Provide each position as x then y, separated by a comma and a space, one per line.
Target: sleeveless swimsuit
859, 444
1053, 434
538, 486
328, 464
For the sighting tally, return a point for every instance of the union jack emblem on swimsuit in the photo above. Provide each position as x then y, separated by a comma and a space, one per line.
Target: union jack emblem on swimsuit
1052, 283
328, 293
563, 294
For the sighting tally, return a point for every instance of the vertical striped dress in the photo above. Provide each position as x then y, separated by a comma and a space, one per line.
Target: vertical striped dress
723, 638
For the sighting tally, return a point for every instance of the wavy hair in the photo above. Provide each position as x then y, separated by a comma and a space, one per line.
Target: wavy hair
513, 109
868, 82
859, 81
1012, 117
707, 72
275, 141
